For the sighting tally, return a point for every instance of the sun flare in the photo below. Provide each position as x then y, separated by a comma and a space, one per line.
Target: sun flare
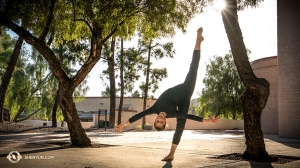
219, 4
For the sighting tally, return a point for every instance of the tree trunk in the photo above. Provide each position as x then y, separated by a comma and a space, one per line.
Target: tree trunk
54, 109
255, 97
21, 109
252, 125
122, 83
8, 73
112, 83
77, 133
147, 84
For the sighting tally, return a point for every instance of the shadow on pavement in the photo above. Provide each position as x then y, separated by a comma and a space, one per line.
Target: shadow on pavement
219, 132
258, 165
36, 151
168, 164
104, 134
294, 143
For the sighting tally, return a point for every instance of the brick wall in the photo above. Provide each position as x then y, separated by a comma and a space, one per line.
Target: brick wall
267, 68
288, 33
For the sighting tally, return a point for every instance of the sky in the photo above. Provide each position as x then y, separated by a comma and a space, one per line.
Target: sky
259, 30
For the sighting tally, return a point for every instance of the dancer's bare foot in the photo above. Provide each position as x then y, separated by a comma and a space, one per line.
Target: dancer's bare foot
199, 34
168, 158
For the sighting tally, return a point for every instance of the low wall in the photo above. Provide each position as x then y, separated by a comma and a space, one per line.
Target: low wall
49, 123
190, 124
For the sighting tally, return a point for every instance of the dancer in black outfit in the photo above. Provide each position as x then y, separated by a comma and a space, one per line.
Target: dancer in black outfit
173, 98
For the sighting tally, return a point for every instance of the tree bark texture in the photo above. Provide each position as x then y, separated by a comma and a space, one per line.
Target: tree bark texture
147, 84
54, 109
255, 97
77, 133
8, 74
122, 83
112, 83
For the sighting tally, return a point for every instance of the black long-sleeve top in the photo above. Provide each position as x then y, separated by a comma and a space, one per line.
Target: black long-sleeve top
177, 96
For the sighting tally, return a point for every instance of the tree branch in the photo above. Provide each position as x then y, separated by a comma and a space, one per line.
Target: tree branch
48, 23
89, 26
112, 32
50, 39
28, 115
42, 48
74, 19
40, 84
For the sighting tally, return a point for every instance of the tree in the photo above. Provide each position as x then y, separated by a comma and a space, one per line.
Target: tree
121, 82
158, 51
109, 56
9, 70
257, 89
93, 22
223, 87
128, 64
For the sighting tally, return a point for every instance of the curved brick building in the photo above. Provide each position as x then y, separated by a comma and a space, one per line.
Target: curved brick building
267, 68
288, 33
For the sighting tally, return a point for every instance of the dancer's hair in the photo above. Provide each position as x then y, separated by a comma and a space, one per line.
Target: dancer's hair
159, 128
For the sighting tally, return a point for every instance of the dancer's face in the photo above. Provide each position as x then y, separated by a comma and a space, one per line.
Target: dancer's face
160, 120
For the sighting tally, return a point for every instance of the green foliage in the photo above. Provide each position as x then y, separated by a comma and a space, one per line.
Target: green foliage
6, 49
33, 87
131, 57
223, 88
149, 50
193, 109
135, 94
106, 92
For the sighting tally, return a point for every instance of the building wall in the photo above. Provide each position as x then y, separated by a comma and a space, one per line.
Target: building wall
267, 68
288, 26
95, 103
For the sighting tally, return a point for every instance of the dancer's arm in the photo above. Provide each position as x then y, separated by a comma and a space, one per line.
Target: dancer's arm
134, 118
196, 118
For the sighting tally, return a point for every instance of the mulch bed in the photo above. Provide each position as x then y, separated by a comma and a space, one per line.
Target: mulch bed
276, 159
11, 127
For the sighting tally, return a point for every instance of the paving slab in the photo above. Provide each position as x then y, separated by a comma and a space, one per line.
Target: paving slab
198, 148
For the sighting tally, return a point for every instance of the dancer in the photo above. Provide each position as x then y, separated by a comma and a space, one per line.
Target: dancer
174, 103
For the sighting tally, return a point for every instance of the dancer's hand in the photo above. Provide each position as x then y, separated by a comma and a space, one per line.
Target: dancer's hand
120, 127
214, 119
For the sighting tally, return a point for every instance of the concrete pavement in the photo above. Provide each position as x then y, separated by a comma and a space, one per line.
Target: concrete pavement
140, 149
